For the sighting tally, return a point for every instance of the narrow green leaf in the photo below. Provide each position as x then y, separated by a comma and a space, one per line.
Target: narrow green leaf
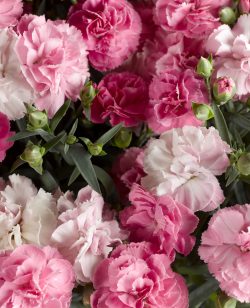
73, 128
202, 293
27, 134
59, 115
19, 162
109, 134
49, 181
231, 175
241, 121
75, 174
54, 141
82, 160
106, 180
221, 124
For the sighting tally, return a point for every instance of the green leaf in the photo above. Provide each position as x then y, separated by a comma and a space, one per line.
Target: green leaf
59, 115
106, 180
82, 160
241, 121
19, 162
231, 175
27, 134
49, 181
202, 293
54, 141
74, 128
75, 174
42, 8
109, 134
221, 124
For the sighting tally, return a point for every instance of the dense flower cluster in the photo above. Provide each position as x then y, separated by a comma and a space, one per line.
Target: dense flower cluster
124, 134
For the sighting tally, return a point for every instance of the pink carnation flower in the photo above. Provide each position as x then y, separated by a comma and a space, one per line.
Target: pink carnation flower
110, 28
26, 215
10, 11
193, 18
226, 248
14, 89
244, 6
159, 220
5, 134
35, 277
231, 46
122, 97
53, 59
133, 276
84, 236
171, 96
128, 169
182, 165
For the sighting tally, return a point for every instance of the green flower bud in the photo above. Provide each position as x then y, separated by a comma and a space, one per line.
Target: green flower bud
71, 139
88, 93
38, 119
95, 149
224, 89
204, 68
227, 16
202, 112
33, 154
243, 164
123, 138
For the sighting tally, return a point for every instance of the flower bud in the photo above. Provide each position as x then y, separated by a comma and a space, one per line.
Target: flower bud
244, 6
95, 149
33, 154
227, 16
38, 119
243, 164
204, 67
224, 89
202, 112
71, 139
88, 93
123, 138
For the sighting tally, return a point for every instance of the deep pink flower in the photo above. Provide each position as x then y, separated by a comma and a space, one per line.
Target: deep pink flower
110, 28
53, 59
5, 134
193, 18
10, 11
128, 169
134, 276
244, 6
171, 96
159, 220
35, 277
225, 247
122, 97
84, 235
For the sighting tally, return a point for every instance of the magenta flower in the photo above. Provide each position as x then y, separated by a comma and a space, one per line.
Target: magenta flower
5, 134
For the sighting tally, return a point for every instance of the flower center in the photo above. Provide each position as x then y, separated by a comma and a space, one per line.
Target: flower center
244, 240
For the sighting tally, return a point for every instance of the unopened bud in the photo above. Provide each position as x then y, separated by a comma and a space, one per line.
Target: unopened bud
243, 164
88, 93
33, 155
204, 68
227, 16
71, 139
38, 119
224, 89
202, 112
123, 138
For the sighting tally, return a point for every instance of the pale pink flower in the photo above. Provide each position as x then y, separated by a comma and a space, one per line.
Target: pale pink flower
53, 59
159, 220
110, 28
182, 165
193, 18
84, 236
225, 247
128, 169
35, 277
134, 276
244, 6
14, 89
10, 11
122, 98
231, 47
26, 215
5, 134
171, 96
